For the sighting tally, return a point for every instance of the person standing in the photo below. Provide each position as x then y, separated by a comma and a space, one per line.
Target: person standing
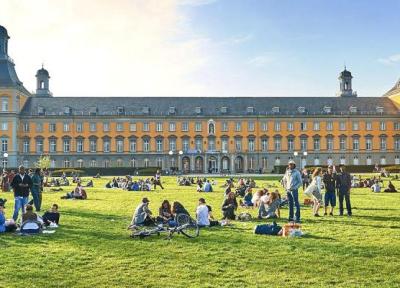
291, 182
157, 180
329, 180
21, 184
344, 186
36, 190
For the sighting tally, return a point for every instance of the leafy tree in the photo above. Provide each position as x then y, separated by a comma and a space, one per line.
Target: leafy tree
43, 162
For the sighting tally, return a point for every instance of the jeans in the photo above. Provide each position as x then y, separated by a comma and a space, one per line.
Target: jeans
20, 203
344, 195
293, 199
37, 199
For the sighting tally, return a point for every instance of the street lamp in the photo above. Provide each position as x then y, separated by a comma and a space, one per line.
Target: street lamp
170, 153
305, 156
5, 156
295, 153
181, 152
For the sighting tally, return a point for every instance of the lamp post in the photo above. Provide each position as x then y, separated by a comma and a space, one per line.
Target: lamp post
180, 153
5, 156
170, 153
305, 157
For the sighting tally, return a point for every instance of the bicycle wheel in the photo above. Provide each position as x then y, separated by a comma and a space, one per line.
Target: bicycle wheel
182, 219
190, 229
143, 231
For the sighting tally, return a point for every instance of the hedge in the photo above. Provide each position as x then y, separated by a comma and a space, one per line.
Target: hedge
111, 171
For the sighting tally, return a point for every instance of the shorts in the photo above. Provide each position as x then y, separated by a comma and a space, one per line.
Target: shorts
317, 195
330, 197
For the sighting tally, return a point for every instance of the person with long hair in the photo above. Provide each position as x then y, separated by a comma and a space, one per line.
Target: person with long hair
316, 185
178, 208
229, 206
165, 212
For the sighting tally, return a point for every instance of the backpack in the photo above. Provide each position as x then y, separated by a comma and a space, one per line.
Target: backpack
267, 229
244, 216
31, 227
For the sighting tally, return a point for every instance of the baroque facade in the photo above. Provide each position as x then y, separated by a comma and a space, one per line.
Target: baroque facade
238, 134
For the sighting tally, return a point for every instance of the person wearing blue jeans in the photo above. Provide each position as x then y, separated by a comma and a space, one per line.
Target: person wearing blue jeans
21, 185
291, 182
36, 190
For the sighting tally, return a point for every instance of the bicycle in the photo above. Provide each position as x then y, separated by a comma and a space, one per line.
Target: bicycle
184, 224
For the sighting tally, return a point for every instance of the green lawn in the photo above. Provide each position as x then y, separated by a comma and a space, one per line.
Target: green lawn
92, 247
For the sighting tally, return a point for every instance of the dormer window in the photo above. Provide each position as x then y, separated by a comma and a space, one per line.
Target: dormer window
67, 110
250, 110
146, 110
120, 110
172, 110
353, 109
301, 109
275, 109
198, 110
224, 110
327, 109
40, 110
93, 110
379, 109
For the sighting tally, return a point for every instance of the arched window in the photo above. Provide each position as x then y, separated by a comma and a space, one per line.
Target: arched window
211, 128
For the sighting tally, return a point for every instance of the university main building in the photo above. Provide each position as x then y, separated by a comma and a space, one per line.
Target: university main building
238, 134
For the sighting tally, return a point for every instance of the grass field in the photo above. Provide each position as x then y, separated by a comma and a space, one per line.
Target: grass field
92, 248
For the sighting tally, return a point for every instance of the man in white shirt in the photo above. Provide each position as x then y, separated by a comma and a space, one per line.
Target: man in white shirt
202, 213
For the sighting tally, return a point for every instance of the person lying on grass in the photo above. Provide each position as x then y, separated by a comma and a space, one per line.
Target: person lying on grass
142, 215
52, 216
78, 193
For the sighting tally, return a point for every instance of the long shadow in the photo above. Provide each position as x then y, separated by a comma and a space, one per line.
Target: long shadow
85, 214
378, 218
379, 209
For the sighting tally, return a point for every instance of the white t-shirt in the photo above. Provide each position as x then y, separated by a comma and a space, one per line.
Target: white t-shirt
264, 198
202, 215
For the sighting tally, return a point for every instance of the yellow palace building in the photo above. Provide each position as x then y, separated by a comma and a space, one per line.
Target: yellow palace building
236, 134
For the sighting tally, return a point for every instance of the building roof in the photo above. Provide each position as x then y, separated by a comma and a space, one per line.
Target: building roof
345, 73
394, 90
8, 76
209, 106
3, 31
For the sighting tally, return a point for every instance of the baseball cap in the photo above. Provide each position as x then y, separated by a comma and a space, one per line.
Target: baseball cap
145, 200
292, 162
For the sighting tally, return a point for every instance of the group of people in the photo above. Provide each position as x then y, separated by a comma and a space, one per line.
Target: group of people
127, 183
167, 214
24, 185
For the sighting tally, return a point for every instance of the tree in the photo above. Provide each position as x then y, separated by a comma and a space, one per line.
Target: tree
43, 162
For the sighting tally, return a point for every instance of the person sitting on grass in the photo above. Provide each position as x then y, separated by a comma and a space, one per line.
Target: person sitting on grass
78, 193
270, 209
208, 186
5, 225
29, 215
90, 183
108, 185
199, 187
52, 216
229, 206
202, 213
177, 208
390, 188
257, 196
165, 212
142, 215
376, 188
247, 203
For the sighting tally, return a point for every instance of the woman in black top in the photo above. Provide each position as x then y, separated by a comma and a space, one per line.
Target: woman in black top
229, 206
177, 208
165, 213
51, 216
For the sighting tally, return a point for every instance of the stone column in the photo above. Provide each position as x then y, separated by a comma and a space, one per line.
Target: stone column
205, 164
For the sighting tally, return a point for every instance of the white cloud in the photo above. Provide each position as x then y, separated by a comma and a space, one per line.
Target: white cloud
391, 60
261, 60
196, 2
105, 48
239, 39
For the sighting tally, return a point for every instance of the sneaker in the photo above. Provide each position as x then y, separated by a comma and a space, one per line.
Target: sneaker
341, 214
331, 214
316, 215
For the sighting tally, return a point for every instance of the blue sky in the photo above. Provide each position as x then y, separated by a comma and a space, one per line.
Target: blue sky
205, 47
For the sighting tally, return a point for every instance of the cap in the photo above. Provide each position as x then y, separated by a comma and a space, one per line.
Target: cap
292, 162
145, 200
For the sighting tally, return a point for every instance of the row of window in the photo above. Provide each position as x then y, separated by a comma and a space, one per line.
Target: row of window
198, 126
199, 165
198, 144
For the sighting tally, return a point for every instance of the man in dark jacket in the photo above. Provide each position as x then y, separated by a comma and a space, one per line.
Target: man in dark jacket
21, 184
329, 180
344, 185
